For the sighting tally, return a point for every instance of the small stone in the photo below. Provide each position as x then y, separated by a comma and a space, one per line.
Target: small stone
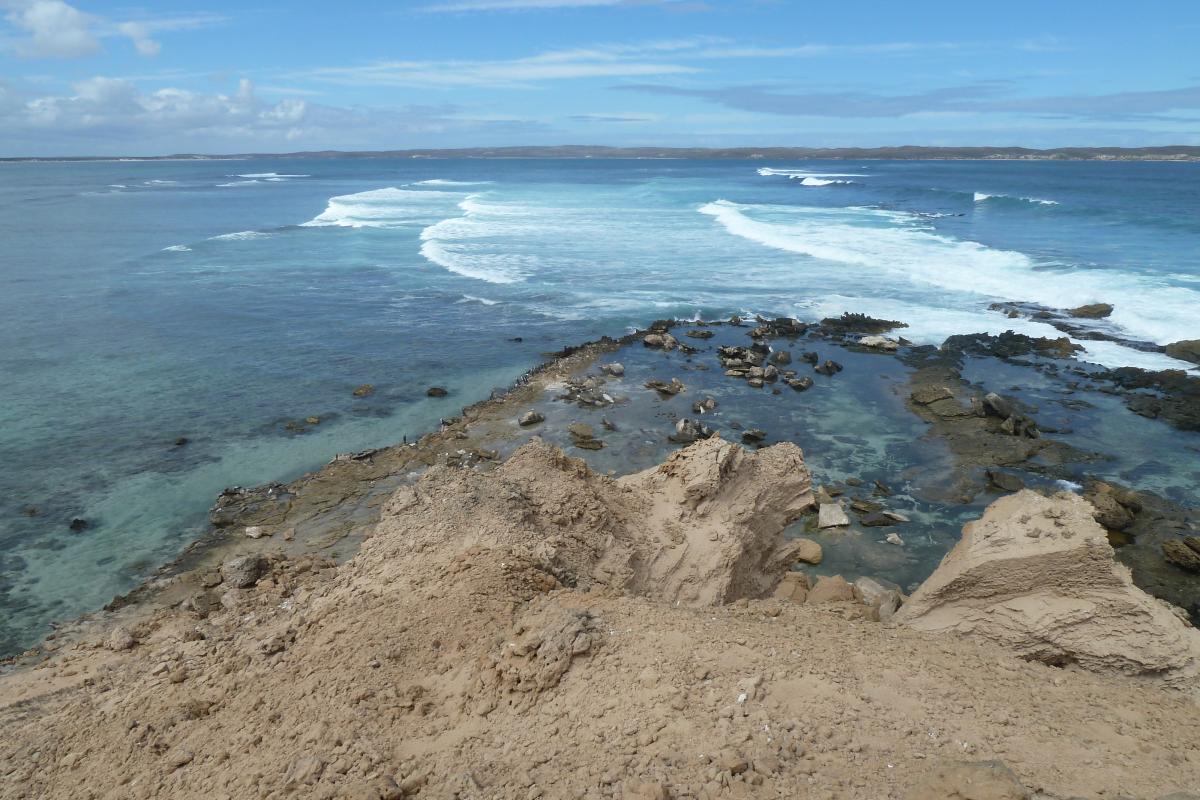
1183, 553
894, 538
255, 532
436, 391
366, 390
530, 418
79, 525
313, 420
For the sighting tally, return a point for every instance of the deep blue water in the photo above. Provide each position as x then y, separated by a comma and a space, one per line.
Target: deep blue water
219, 300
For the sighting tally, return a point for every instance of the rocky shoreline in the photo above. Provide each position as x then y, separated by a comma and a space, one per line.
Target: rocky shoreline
493, 584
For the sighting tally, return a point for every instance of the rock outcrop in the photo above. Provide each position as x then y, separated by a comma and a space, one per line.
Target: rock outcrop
1036, 574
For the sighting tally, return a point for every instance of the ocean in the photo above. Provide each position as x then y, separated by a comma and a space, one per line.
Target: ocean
226, 302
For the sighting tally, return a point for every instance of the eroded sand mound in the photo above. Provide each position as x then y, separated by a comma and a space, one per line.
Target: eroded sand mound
1036, 575
543, 631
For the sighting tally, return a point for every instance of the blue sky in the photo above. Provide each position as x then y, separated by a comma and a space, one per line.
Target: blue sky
102, 78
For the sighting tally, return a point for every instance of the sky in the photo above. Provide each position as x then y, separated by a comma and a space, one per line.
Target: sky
88, 77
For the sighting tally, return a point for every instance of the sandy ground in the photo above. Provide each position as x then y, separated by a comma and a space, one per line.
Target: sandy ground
543, 631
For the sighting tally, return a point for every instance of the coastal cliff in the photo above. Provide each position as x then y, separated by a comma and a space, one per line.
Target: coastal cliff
541, 629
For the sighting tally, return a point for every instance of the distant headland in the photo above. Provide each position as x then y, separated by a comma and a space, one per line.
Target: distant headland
913, 153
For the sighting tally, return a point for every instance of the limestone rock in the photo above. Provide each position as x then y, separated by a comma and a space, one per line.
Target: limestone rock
832, 515
1036, 575
1092, 311
808, 551
530, 418
832, 589
978, 780
1186, 350
1183, 553
244, 571
879, 343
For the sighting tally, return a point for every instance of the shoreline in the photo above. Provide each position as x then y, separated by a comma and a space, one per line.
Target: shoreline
329, 511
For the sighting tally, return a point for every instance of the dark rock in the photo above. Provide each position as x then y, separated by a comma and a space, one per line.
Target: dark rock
925, 395
243, 572
1005, 481
589, 444
810, 357
1092, 311
660, 341
881, 489
997, 406
700, 333
436, 391
689, 430
829, 367
661, 325
366, 390
1011, 345
781, 358
1185, 350
664, 388
1183, 553
704, 406
800, 384
859, 323
530, 418
1108, 512
181, 441
754, 435
877, 519
79, 525
30, 511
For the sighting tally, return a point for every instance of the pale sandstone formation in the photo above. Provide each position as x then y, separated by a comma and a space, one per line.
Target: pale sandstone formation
543, 631
1036, 575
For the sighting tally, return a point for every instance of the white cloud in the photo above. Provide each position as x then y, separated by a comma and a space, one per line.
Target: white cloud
103, 115
55, 29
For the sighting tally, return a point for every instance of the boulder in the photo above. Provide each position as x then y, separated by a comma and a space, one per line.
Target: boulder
616, 369
243, 572
530, 418
1109, 512
832, 589
365, 390
879, 343
1091, 311
925, 395
1183, 553
1036, 575
832, 515
1185, 350
660, 341
436, 391
807, 551
885, 599
689, 430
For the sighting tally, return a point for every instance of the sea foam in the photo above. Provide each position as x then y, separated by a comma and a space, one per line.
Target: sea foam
981, 197
902, 250
385, 208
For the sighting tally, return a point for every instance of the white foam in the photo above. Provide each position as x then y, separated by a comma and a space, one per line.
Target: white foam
803, 173
270, 175
117, 186
811, 181
177, 248
385, 208
470, 298
159, 183
904, 253
237, 183
453, 243
441, 182
980, 197
238, 236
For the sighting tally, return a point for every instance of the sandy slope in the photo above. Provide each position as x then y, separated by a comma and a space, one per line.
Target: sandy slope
540, 630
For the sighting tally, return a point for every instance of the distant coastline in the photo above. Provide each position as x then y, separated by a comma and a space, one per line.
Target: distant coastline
903, 153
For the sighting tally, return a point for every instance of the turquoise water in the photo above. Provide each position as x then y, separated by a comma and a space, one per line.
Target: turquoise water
220, 301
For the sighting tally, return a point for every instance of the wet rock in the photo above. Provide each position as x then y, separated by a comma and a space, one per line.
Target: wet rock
666, 388
879, 343
615, 369
831, 589
704, 406
30, 511
998, 406
365, 390
660, 341
1010, 345
781, 358
243, 572
778, 327
1183, 553
877, 519
689, 430
1108, 512
753, 435
859, 323
829, 367
261, 505
1005, 481
182, 441
79, 525
1185, 350
700, 333
1091, 311
810, 357
894, 538
800, 384
832, 515
530, 418
436, 391
312, 420
583, 436
926, 395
